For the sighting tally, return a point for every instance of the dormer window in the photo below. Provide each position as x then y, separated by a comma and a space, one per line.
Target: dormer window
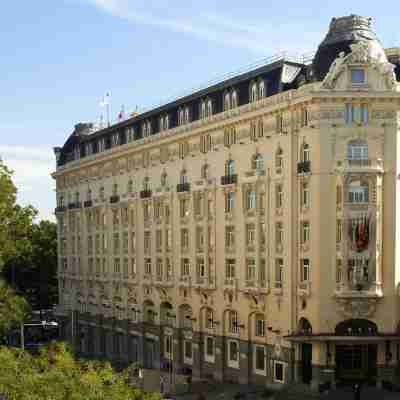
181, 116
227, 101
253, 92
187, 115
234, 99
261, 90
357, 76
203, 109
166, 122
209, 108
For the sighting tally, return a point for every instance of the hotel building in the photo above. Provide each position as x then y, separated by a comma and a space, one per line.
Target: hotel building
245, 232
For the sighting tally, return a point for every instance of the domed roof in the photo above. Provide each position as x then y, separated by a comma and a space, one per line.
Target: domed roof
343, 32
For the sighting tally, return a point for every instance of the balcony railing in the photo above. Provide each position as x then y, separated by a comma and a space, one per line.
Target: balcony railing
114, 199
303, 167
183, 187
359, 163
88, 203
60, 209
229, 179
144, 194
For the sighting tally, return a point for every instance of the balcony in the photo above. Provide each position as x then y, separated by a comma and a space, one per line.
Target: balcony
88, 203
304, 167
229, 179
364, 165
72, 206
145, 194
183, 187
60, 209
114, 199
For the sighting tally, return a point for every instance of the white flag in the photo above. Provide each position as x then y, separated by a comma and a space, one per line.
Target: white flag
106, 100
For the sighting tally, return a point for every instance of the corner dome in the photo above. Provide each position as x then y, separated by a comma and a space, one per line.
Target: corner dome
343, 32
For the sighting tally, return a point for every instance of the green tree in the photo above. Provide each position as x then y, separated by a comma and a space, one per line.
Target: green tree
33, 270
56, 375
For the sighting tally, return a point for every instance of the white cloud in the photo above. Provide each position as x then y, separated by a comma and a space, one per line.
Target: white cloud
257, 37
32, 166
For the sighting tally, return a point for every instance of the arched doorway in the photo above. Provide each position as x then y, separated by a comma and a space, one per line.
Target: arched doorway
305, 328
356, 360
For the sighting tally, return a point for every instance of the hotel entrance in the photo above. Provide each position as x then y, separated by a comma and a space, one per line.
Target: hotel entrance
356, 363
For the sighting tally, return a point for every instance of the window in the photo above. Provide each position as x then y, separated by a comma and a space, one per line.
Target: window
358, 192
233, 351
261, 89
147, 241
253, 133
181, 116
133, 242
250, 234
130, 186
279, 233
260, 325
184, 207
168, 345
159, 268
305, 152
229, 136
209, 108
338, 271
204, 171
146, 183
259, 358
233, 321
125, 242
199, 238
230, 168
250, 269
183, 178
187, 114
253, 92
209, 346
209, 315
229, 202
159, 240
305, 232
185, 267
338, 195
279, 160
279, 123
117, 266
263, 238
305, 270
279, 372
203, 111
227, 101
184, 238
168, 239
147, 266
279, 270
305, 195
198, 204
356, 114
116, 243
201, 268
229, 236
230, 268
183, 149
357, 150
304, 117
338, 230
251, 199
133, 267
357, 75
234, 99
279, 196
260, 128
168, 269
205, 143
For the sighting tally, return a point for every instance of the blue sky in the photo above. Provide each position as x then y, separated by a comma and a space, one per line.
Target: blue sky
58, 58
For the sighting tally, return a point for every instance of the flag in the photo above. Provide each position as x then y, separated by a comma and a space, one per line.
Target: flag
106, 100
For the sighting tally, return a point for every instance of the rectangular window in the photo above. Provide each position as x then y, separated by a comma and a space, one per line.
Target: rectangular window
305, 232
230, 268
260, 358
279, 196
338, 230
147, 266
250, 234
159, 240
198, 205
279, 270
199, 238
305, 270
250, 269
125, 242
147, 241
159, 268
229, 202
184, 238
251, 200
185, 267
184, 208
168, 267
117, 266
263, 238
357, 75
279, 372
229, 236
338, 271
279, 233
116, 243
260, 326
201, 268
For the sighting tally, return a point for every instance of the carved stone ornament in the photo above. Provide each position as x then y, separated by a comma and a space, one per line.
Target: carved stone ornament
362, 52
357, 308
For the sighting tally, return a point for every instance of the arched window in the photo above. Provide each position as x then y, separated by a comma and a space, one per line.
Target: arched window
357, 150
230, 167
227, 101
358, 192
279, 159
305, 152
187, 114
234, 99
261, 89
253, 92
233, 321
166, 122
209, 108
257, 162
209, 318
357, 327
161, 123
203, 111
304, 327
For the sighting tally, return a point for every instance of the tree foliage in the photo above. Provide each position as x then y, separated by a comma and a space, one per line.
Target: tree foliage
56, 375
